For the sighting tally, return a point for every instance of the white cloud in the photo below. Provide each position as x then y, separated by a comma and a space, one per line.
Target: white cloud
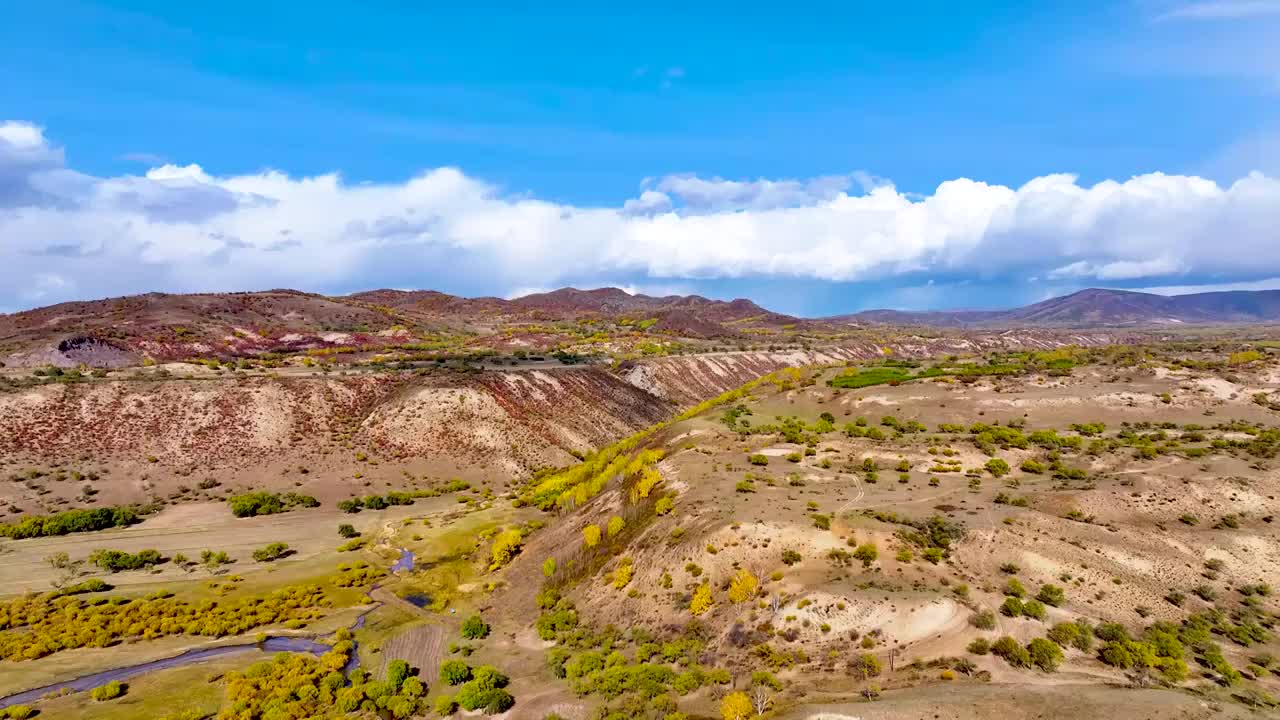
178, 228
1267, 284
650, 202
717, 194
1119, 270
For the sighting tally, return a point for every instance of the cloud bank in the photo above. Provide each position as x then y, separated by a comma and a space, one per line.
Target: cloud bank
69, 235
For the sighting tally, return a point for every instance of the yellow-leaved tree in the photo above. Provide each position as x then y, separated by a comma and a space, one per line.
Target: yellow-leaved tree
743, 586
591, 535
505, 547
622, 576
649, 479
701, 601
615, 525
736, 706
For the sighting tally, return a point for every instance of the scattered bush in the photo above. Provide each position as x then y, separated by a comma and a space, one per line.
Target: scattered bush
1044, 654
475, 628
454, 672
70, 521
1051, 595
1012, 607
116, 560
110, 691
1013, 653
271, 552
984, 619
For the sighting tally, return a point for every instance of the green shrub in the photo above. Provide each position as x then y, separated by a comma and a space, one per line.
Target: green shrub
984, 619
474, 628
110, 691
272, 552
445, 706
1044, 654
484, 692
1033, 609
454, 672
116, 560
266, 503
397, 673
1013, 653
867, 553
1012, 607
70, 521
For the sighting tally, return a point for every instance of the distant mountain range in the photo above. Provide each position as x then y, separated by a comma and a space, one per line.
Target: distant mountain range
1098, 308
162, 326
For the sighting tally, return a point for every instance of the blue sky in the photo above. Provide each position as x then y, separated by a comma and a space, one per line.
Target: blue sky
576, 109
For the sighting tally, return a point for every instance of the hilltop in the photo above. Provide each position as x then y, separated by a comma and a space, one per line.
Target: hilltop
160, 327
1095, 307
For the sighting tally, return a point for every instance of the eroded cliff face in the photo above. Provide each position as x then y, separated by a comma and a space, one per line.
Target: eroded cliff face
509, 420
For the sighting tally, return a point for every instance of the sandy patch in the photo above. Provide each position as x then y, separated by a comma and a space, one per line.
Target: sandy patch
902, 621
1219, 388
878, 400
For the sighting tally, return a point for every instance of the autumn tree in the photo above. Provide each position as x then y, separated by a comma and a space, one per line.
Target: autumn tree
701, 601
505, 547
735, 706
743, 586
615, 525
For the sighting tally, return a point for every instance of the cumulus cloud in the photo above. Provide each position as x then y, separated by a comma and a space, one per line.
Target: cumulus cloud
718, 194
65, 234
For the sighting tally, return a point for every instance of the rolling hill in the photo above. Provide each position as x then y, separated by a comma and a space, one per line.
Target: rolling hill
1098, 308
116, 332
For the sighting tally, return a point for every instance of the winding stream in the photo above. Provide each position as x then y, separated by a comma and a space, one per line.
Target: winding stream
190, 657
273, 644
